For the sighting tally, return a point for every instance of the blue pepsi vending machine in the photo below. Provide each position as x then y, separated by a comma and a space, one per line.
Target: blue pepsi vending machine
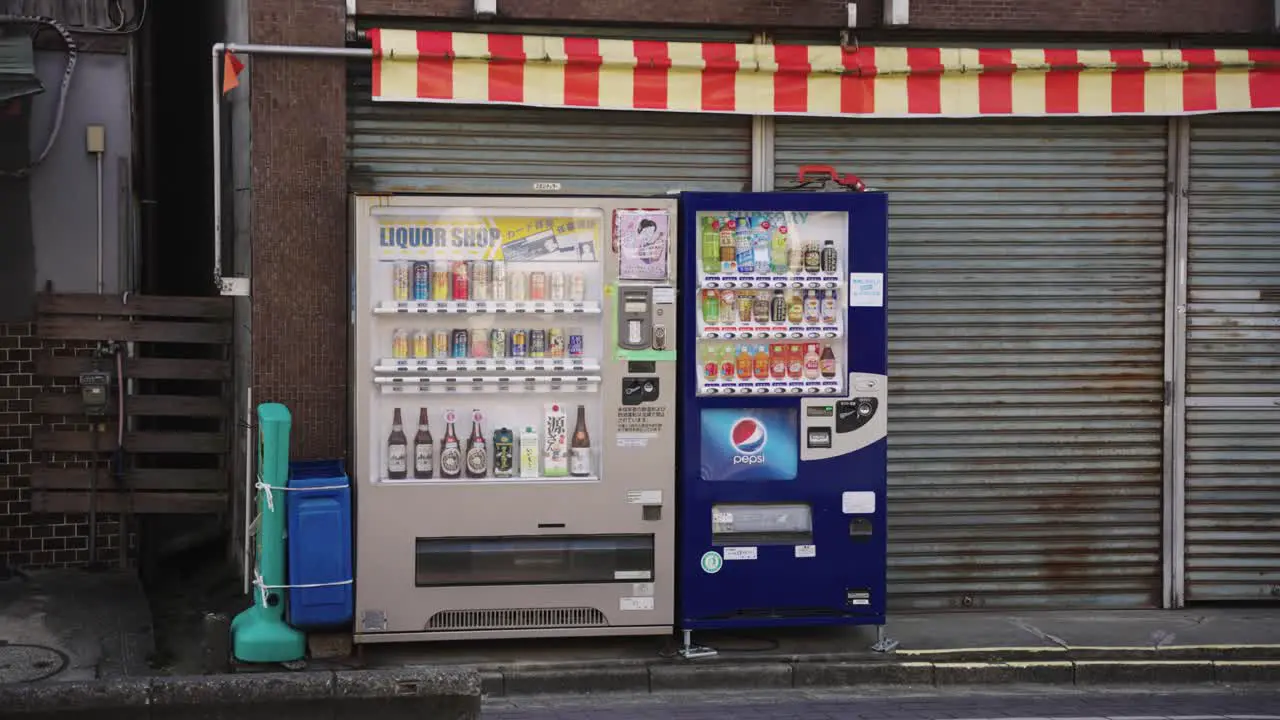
782, 477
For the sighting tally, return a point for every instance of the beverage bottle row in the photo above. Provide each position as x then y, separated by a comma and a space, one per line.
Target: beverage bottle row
481, 280
750, 244
488, 343
557, 455
739, 307
773, 361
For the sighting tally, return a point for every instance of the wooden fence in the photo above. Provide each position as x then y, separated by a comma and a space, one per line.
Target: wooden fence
177, 404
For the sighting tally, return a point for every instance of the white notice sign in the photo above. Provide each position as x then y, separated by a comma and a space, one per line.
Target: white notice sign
866, 289
739, 553
635, 603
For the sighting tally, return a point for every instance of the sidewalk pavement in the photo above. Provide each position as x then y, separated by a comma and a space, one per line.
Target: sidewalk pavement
92, 631
1074, 647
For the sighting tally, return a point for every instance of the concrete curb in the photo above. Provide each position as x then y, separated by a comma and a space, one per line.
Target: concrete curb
419, 693
781, 673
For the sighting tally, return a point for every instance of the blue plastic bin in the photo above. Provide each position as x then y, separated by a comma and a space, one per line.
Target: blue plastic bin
319, 545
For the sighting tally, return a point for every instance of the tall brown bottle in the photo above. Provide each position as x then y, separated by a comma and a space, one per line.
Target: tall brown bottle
424, 454
397, 449
450, 449
580, 447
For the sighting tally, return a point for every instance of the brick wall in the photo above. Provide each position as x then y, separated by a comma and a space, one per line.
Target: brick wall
1136, 16
299, 223
738, 13
30, 540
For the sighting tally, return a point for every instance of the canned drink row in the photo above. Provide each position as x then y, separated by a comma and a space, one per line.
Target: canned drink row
481, 280
463, 343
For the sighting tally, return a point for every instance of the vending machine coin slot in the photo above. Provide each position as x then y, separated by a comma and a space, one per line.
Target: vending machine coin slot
635, 321
853, 414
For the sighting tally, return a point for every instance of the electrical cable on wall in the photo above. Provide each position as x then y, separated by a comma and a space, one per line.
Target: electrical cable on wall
67, 74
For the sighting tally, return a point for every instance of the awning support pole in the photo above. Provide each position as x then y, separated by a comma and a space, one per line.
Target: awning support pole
231, 285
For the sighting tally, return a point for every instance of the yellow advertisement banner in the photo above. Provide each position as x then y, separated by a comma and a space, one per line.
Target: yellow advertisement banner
488, 237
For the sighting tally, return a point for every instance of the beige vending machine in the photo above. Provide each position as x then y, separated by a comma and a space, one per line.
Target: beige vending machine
515, 408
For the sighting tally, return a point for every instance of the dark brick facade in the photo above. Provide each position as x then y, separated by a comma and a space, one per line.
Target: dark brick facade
27, 539
1102, 16
300, 292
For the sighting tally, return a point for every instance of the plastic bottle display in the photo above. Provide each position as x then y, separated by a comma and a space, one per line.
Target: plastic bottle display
711, 244
728, 252
744, 239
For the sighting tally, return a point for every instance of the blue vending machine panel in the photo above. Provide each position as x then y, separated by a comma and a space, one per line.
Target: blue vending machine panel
783, 407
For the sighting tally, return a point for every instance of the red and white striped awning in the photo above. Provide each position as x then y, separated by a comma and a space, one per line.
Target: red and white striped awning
567, 72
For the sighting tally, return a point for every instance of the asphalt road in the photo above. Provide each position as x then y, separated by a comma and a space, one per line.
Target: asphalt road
1038, 703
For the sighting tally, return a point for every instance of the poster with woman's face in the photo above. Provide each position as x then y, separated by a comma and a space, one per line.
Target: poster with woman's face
641, 239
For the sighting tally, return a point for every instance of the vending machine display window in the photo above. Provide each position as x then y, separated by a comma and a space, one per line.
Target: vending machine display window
770, 293
489, 364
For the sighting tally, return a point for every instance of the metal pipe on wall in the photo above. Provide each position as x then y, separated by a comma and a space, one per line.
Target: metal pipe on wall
216, 89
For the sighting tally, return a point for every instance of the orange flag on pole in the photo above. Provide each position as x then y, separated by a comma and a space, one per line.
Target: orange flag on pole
231, 68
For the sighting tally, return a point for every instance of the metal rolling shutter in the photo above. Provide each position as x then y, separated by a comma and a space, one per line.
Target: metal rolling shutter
1233, 360
442, 149
1026, 302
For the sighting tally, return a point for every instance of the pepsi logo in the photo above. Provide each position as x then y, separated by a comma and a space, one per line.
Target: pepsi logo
748, 436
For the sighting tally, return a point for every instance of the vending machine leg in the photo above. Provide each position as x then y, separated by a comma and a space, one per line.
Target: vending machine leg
884, 644
689, 651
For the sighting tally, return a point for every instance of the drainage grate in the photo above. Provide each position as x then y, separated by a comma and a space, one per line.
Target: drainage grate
515, 618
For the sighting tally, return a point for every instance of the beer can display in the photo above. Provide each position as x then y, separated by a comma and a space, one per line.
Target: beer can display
461, 281
578, 286
440, 344
461, 343
421, 344
479, 344
399, 344
498, 280
400, 281
537, 343
555, 343
577, 346
519, 343
557, 285
519, 286
537, 286
440, 280
480, 280
498, 342
422, 281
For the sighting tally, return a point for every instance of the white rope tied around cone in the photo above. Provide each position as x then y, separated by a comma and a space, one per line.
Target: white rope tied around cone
263, 587
271, 505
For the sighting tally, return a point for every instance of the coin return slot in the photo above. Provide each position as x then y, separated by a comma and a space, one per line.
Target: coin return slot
860, 530
819, 438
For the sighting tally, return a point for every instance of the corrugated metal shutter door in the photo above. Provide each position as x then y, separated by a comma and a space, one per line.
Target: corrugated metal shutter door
441, 149
1233, 360
1026, 301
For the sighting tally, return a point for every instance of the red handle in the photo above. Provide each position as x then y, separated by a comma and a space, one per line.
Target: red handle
850, 181
806, 170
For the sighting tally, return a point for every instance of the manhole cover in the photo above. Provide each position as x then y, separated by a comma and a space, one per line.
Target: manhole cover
28, 663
